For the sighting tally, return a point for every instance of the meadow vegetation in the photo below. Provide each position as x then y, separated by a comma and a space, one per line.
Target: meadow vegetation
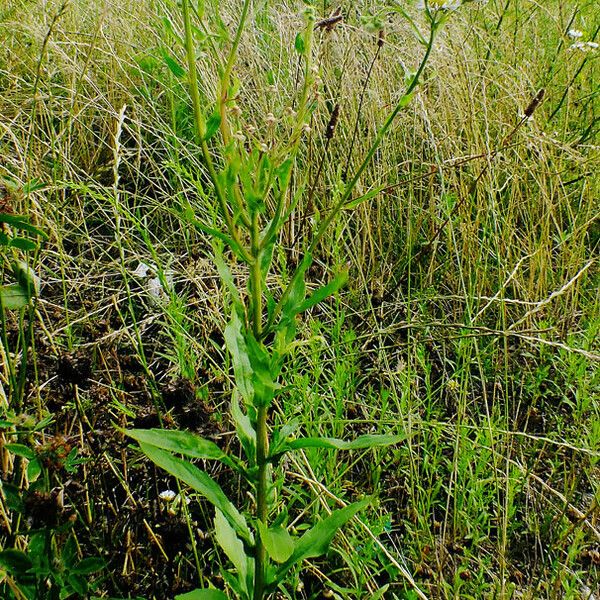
467, 331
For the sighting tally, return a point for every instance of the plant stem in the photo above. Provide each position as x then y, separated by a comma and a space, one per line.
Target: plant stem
262, 452
200, 124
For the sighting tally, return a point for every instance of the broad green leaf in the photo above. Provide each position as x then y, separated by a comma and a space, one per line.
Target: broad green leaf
78, 583
315, 542
26, 277
22, 244
299, 44
242, 368
263, 377
172, 64
182, 442
21, 222
202, 483
233, 547
244, 429
21, 450
14, 296
34, 470
360, 443
15, 561
90, 565
277, 541
227, 278
202, 595
212, 125
68, 555
324, 292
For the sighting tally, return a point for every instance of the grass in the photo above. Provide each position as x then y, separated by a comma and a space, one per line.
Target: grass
470, 324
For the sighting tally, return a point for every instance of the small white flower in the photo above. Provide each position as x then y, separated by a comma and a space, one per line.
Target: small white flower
270, 120
584, 46
575, 34
239, 136
142, 270
263, 148
306, 128
167, 496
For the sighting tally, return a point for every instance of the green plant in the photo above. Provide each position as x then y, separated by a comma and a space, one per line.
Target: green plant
252, 186
17, 236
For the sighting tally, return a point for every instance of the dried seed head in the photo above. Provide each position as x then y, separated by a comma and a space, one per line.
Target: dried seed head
381, 38
535, 103
333, 120
270, 119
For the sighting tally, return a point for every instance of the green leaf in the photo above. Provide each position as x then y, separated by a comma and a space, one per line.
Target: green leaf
172, 64
244, 429
15, 561
315, 542
278, 542
69, 553
21, 450
202, 483
90, 565
324, 292
380, 592
299, 44
212, 125
78, 583
26, 277
33, 186
14, 296
202, 595
22, 244
263, 372
364, 198
242, 368
34, 470
233, 547
360, 443
21, 222
182, 442
227, 278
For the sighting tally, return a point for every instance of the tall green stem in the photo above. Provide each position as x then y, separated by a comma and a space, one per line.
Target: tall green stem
262, 434
262, 453
200, 124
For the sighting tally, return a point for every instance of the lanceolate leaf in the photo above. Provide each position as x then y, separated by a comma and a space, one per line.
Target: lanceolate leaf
202, 483
360, 443
244, 429
239, 354
316, 540
233, 548
21, 222
182, 442
323, 292
202, 595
